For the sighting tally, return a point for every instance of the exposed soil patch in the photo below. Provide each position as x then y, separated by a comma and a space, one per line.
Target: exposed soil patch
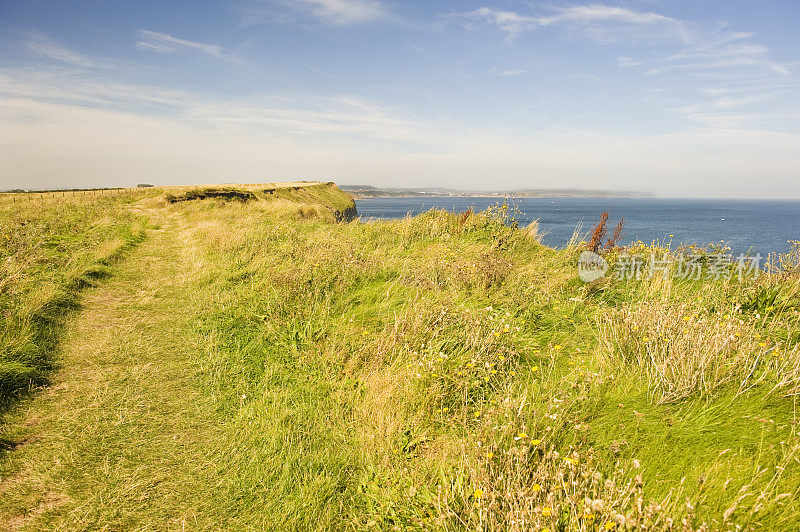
6, 445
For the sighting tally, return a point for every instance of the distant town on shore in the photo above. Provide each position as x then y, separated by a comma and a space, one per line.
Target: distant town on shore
368, 191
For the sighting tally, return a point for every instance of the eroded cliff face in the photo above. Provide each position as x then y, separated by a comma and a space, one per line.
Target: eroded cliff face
330, 196
347, 215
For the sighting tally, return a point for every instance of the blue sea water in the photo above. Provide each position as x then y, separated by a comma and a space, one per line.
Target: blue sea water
754, 226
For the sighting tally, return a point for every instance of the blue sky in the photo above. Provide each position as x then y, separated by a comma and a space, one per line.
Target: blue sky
678, 98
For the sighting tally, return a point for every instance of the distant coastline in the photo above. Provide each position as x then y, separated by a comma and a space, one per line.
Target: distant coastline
367, 191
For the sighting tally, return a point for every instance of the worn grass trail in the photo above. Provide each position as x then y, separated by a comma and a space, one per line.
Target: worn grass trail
121, 438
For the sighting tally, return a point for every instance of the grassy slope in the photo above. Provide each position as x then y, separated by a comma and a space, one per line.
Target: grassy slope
402, 371
49, 250
443, 371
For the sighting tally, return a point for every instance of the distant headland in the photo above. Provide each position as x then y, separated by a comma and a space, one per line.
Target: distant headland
368, 191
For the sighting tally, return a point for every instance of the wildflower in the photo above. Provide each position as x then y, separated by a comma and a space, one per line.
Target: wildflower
557, 346
547, 511
478, 493
611, 525
536, 487
535, 368
512, 373
490, 455
493, 372
671, 236
477, 414
762, 344
536, 442
501, 358
521, 436
636, 463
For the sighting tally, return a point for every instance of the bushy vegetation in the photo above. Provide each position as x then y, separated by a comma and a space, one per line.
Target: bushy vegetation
448, 371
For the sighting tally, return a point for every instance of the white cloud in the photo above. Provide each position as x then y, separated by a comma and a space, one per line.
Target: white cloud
671, 50
91, 133
42, 46
600, 22
166, 43
627, 62
292, 115
599, 12
505, 73
337, 12
508, 21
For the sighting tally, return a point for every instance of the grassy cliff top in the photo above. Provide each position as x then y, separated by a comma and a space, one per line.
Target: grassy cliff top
244, 362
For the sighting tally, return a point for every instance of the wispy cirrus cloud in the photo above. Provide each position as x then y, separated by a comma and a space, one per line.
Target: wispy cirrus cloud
55, 120
670, 51
627, 62
43, 46
601, 22
505, 73
336, 12
166, 43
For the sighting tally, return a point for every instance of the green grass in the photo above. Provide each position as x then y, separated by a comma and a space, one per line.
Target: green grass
438, 372
49, 252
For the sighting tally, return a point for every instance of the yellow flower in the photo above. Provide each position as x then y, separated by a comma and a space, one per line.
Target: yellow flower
512, 373
490, 456
493, 372
671, 236
557, 346
762, 344
536, 442
610, 525
502, 358
521, 436
477, 414
478, 493
547, 512
535, 368
536, 487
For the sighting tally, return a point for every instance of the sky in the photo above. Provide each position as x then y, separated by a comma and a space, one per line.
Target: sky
678, 98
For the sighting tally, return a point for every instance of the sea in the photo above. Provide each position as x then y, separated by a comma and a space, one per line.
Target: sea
746, 226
